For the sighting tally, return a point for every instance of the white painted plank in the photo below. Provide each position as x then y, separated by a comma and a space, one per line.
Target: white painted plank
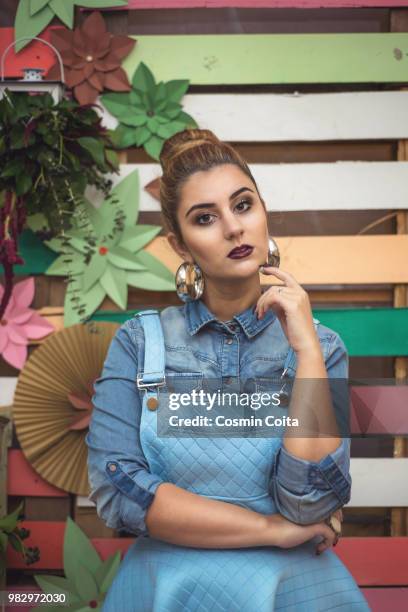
7, 388
379, 482
298, 117
286, 187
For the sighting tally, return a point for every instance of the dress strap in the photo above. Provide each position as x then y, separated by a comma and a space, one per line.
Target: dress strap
152, 375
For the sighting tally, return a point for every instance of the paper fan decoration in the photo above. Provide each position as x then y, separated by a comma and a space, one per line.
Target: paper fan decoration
53, 391
110, 256
20, 324
92, 59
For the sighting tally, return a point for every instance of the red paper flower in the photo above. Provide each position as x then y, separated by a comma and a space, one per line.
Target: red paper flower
92, 59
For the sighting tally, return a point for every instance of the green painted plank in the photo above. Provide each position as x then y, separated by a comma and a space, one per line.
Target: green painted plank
37, 257
366, 332
230, 59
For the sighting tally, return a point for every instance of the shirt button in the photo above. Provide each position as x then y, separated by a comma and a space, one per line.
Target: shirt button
112, 467
230, 341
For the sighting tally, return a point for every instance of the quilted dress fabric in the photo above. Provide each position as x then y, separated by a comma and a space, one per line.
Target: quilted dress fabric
156, 576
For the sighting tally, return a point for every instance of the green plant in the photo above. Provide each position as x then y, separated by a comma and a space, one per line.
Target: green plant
150, 113
11, 533
87, 578
49, 153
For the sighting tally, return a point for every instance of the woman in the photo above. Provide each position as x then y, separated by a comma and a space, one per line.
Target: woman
224, 522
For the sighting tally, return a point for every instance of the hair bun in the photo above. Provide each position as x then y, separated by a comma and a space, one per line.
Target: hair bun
186, 139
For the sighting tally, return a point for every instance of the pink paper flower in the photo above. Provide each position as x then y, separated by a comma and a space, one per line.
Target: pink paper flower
20, 324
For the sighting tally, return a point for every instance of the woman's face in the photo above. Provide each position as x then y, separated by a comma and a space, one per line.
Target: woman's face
220, 209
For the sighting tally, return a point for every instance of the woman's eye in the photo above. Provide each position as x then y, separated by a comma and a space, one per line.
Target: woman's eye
199, 220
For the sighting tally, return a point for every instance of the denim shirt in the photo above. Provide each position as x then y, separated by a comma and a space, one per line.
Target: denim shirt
195, 341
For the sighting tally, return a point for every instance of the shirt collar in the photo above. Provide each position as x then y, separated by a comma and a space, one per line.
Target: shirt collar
198, 316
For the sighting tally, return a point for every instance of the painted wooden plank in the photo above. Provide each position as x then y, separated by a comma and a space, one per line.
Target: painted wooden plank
326, 260
23, 480
375, 561
287, 187
380, 483
298, 117
239, 59
304, 4
369, 332
7, 388
384, 599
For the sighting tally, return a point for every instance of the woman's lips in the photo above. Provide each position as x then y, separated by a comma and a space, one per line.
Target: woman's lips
241, 253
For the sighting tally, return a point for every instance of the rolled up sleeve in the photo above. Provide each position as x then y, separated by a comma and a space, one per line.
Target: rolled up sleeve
307, 492
121, 483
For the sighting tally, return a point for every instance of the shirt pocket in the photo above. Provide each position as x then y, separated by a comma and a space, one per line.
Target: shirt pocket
183, 382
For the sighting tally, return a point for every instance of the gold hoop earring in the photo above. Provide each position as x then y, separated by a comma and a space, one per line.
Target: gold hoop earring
273, 257
189, 282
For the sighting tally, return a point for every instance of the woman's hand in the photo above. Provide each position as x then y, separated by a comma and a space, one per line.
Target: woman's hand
288, 534
291, 304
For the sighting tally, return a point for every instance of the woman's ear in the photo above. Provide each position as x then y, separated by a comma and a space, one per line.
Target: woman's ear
179, 248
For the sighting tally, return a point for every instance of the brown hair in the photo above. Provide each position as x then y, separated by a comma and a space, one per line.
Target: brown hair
182, 155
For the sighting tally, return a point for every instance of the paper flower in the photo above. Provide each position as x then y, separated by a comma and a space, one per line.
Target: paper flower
110, 257
150, 113
92, 59
34, 15
87, 577
20, 323
82, 402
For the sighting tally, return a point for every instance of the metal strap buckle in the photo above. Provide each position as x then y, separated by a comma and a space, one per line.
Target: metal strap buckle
142, 385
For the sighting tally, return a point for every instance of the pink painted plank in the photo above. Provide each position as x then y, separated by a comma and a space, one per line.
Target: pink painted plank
384, 600
305, 4
23, 480
379, 409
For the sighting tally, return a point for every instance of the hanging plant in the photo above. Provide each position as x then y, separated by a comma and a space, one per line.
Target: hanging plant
150, 113
11, 533
92, 59
87, 577
49, 153
34, 15
111, 256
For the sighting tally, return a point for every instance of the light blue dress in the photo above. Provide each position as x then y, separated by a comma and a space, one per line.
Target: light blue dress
128, 460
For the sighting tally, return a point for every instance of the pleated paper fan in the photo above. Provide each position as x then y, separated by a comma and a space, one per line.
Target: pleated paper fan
52, 403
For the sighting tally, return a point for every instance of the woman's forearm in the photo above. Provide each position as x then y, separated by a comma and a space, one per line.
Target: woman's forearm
187, 519
311, 404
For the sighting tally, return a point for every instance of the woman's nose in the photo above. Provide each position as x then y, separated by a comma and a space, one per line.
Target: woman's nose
233, 227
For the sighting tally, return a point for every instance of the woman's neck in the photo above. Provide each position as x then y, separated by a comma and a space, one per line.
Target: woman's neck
226, 302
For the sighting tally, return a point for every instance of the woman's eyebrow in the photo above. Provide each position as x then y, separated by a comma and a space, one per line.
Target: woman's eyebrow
212, 204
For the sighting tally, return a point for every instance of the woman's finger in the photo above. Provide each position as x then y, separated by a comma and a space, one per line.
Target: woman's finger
289, 280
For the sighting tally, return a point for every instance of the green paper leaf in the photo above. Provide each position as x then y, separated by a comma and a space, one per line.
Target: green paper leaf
135, 238
153, 147
89, 301
115, 285
123, 137
85, 583
94, 271
176, 89
27, 25
37, 5
121, 258
64, 10
152, 124
187, 119
167, 130
172, 110
106, 572
127, 192
155, 267
142, 134
78, 547
73, 261
57, 584
95, 148
9, 522
150, 282
143, 79
134, 119
116, 103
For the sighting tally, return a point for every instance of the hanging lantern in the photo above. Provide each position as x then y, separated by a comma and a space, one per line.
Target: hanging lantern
32, 82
